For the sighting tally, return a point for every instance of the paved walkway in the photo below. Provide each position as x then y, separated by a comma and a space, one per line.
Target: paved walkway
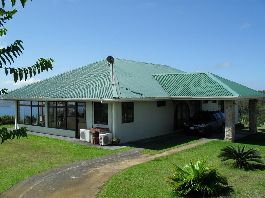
85, 178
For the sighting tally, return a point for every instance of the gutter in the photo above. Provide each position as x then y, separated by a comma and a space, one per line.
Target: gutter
135, 99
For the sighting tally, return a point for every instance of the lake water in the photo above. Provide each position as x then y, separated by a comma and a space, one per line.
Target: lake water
7, 108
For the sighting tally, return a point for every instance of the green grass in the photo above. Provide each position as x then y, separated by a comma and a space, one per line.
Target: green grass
7, 126
151, 179
25, 157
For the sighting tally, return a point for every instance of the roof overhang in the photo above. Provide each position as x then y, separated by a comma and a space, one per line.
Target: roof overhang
135, 99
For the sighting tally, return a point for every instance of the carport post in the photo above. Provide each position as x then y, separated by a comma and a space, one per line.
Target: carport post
229, 110
252, 108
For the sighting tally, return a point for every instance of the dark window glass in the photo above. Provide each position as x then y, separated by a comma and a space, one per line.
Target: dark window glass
41, 115
100, 113
161, 103
81, 114
24, 115
60, 104
71, 116
35, 115
52, 116
71, 123
127, 112
61, 117
64, 115
31, 113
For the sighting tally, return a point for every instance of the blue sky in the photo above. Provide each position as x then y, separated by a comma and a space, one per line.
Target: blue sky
225, 37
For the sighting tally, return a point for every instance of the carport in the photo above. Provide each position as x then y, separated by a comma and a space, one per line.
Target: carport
208, 86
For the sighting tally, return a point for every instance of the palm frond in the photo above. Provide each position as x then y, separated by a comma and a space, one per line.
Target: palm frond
8, 54
23, 73
241, 156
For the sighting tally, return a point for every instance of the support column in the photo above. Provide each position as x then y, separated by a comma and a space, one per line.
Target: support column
114, 115
252, 108
16, 114
229, 110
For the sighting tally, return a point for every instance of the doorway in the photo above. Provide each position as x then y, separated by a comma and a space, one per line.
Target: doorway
181, 115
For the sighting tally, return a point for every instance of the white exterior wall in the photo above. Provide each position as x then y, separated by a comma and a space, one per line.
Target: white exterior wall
149, 121
211, 106
16, 114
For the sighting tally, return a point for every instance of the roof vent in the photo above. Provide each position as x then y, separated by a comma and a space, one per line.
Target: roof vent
110, 59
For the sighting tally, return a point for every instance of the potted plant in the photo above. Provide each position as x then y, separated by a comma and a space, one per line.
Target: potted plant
116, 141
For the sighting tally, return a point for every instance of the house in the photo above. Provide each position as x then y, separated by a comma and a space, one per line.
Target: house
134, 100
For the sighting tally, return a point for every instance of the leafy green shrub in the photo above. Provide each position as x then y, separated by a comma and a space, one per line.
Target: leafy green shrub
6, 134
197, 180
6, 119
242, 157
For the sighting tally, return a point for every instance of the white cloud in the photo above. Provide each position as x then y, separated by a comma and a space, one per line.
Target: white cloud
11, 85
24, 83
225, 64
245, 26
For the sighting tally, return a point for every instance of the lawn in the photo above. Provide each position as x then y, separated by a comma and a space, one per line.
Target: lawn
25, 157
9, 126
151, 179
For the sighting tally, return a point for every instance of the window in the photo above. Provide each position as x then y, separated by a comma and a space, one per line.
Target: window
65, 115
127, 112
100, 113
71, 116
24, 108
161, 103
52, 115
61, 115
31, 113
81, 115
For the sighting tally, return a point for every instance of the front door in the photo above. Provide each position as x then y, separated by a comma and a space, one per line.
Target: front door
182, 115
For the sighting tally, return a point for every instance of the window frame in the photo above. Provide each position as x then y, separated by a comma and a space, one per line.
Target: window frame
65, 106
102, 123
31, 104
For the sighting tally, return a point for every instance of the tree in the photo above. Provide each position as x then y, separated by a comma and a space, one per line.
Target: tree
10, 53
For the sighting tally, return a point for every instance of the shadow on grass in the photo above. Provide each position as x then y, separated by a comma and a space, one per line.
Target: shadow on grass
254, 167
163, 142
254, 139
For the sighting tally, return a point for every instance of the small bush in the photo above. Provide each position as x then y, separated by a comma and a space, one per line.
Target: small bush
242, 157
197, 180
6, 119
6, 134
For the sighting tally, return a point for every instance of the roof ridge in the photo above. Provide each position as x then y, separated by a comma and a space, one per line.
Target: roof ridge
229, 89
136, 61
179, 73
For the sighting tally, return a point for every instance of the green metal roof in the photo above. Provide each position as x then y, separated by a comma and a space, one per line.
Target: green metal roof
203, 85
133, 80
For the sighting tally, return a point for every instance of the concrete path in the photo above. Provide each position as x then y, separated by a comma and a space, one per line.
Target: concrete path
85, 178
